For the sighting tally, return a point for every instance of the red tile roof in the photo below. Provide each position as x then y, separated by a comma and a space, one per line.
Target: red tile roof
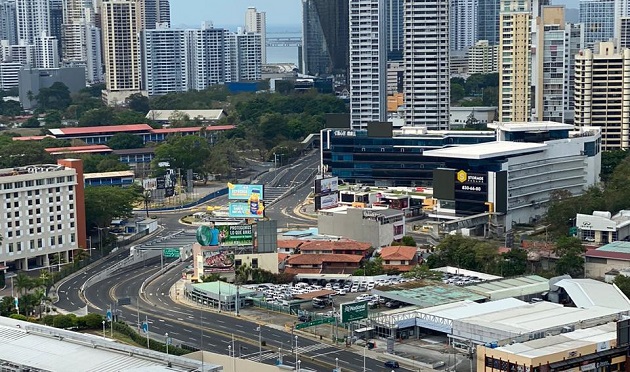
301, 270
401, 268
193, 129
399, 253
78, 149
282, 257
104, 129
318, 259
289, 243
334, 245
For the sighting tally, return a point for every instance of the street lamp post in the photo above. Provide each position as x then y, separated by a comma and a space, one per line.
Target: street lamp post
166, 335
299, 367
364, 347
336, 364
259, 329
279, 355
103, 328
296, 350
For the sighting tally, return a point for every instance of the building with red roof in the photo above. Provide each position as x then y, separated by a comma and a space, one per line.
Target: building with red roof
323, 263
335, 247
612, 256
89, 149
402, 258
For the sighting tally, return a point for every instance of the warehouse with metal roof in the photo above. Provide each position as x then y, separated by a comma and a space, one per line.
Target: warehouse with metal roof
32, 347
523, 287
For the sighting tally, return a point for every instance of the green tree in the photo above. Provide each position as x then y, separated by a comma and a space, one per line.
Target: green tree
139, 103
97, 117
514, 262
457, 92
19, 154
104, 203
570, 253
422, 272
53, 119
129, 117
55, 97
122, 141
406, 241
610, 161
373, 266
32, 122
184, 152
623, 283
22, 283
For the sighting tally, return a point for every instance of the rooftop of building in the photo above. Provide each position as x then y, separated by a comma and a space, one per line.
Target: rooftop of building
220, 287
89, 176
78, 149
31, 138
209, 128
142, 150
100, 129
51, 349
204, 115
542, 126
619, 250
487, 150
512, 287
539, 316
588, 293
457, 271
398, 253
318, 259
563, 343
377, 211
428, 294
334, 245
31, 169
301, 233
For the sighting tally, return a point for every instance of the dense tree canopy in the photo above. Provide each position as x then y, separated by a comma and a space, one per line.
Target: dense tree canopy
121, 141
16, 154
104, 203
184, 152
55, 97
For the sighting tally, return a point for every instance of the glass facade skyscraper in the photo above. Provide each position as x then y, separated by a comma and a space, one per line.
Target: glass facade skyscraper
325, 33
598, 17
488, 21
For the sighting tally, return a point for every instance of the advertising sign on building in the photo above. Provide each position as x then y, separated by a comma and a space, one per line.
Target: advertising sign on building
217, 261
352, 311
150, 184
235, 235
245, 192
326, 201
246, 210
326, 185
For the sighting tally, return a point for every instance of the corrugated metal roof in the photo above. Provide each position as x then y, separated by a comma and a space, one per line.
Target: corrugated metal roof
39, 348
618, 246
512, 287
587, 293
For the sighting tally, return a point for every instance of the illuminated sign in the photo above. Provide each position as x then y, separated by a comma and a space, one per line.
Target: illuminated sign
245, 192
345, 133
246, 210
464, 177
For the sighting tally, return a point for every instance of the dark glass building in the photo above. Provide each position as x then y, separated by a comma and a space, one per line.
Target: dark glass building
56, 22
397, 160
394, 33
325, 33
488, 21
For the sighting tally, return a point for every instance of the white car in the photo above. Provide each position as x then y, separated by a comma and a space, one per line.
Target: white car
354, 289
341, 292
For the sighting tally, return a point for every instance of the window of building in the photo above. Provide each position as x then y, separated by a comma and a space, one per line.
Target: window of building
254, 263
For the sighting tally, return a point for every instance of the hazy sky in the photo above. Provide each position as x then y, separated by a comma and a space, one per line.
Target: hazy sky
232, 12
229, 13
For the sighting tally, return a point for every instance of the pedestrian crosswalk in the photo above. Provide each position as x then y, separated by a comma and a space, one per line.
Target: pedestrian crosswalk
268, 355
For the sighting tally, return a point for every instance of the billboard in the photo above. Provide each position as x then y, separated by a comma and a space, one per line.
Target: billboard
150, 184
326, 201
352, 311
326, 185
246, 210
235, 235
472, 182
245, 192
208, 235
217, 261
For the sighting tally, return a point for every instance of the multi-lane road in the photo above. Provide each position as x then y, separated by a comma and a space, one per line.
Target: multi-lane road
210, 330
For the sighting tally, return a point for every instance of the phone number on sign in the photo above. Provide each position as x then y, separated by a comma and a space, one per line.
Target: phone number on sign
471, 188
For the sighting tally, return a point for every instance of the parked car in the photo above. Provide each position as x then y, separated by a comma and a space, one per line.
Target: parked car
304, 318
393, 304
392, 364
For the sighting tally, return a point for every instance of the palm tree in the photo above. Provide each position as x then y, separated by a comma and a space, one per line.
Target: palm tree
80, 255
242, 274
22, 283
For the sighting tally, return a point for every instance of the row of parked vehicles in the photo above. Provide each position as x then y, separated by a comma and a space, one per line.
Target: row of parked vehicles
375, 301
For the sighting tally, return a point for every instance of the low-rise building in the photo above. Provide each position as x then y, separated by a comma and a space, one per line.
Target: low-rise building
612, 256
289, 246
481, 115
323, 263
344, 246
602, 227
588, 349
264, 261
203, 116
400, 258
378, 226
31, 80
118, 178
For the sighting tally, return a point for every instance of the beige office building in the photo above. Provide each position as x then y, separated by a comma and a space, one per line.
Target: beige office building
514, 61
602, 85
483, 58
122, 21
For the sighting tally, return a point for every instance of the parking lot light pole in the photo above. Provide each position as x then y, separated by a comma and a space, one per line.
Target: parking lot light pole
364, 347
166, 335
259, 329
103, 329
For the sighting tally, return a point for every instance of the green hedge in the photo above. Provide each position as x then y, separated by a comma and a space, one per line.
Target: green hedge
142, 340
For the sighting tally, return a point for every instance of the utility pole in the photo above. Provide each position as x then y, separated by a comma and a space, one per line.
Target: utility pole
259, 329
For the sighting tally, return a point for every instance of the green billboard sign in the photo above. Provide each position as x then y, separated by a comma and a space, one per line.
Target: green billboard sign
313, 323
170, 252
352, 311
235, 235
